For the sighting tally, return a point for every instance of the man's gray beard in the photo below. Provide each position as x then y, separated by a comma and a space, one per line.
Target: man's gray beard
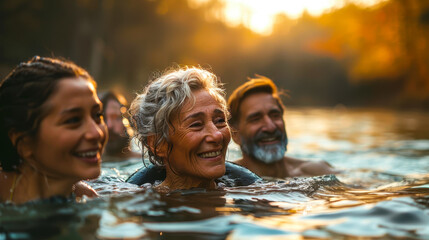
266, 153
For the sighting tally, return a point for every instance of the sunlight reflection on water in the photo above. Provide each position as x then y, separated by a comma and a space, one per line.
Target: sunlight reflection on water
382, 192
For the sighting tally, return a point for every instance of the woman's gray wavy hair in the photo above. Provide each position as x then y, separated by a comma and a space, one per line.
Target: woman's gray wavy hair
152, 111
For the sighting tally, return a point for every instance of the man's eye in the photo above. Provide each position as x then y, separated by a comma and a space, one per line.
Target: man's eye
276, 115
254, 119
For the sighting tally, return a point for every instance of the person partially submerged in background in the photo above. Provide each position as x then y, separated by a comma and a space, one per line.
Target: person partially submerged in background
258, 127
52, 132
118, 146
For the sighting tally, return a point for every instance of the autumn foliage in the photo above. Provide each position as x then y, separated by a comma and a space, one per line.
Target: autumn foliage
354, 56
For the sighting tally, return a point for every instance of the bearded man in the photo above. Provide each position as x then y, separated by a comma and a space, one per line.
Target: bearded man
258, 127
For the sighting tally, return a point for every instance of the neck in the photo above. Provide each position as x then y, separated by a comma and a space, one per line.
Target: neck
35, 185
276, 169
175, 182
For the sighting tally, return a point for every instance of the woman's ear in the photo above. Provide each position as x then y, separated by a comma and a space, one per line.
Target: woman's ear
161, 149
23, 144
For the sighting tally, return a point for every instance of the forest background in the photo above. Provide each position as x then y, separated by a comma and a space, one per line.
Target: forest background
355, 56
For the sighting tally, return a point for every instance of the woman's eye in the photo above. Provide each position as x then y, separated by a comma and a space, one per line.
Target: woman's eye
72, 120
220, 121
196, 124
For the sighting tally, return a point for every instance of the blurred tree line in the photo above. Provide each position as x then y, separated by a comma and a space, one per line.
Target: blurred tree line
354, 56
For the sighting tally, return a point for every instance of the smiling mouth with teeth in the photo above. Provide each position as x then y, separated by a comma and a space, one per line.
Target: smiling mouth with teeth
90, 154
268, 139
210, 154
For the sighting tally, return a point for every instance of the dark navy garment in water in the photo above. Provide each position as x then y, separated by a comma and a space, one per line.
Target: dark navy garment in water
235, 175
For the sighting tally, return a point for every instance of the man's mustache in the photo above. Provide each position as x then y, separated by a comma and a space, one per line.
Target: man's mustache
276, 134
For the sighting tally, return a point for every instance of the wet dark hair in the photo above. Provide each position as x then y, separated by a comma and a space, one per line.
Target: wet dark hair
112, 95
22, 96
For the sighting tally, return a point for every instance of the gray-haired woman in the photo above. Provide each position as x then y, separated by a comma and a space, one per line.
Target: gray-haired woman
180, 121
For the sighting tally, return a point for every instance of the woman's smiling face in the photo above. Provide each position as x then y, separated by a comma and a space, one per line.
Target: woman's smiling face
199, 136
72, 135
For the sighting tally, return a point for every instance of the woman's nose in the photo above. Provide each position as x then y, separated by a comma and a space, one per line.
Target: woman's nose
214, 134
95, 131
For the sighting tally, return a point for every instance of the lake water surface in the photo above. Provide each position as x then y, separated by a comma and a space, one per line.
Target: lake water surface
382, 192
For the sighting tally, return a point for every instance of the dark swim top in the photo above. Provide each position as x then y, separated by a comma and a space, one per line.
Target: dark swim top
235, 175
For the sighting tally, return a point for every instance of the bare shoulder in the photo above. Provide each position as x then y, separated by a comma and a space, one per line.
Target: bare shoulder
316, 168
295, 162
301, 167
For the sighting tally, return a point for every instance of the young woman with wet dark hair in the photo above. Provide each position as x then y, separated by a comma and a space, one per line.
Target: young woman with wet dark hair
52, 133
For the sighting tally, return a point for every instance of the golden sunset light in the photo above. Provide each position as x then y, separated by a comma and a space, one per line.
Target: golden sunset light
259, 15
219, 119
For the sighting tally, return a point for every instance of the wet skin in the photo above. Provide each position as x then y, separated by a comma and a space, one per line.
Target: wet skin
261, 123
260, 115
200, 137
66, 149
72, 135
113, 118
117, 146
